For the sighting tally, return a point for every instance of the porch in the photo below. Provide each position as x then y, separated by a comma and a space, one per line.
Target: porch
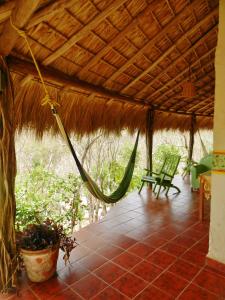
144, 249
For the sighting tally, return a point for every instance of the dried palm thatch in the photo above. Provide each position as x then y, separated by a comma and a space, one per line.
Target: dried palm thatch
7, 183
109, 62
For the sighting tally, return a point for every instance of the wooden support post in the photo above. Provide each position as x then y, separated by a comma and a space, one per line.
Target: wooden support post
149, 137
191, 139
7, 185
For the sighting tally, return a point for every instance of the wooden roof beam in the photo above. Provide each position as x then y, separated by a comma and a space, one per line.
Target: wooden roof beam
171, 49
188, 9
212, 51
85, 30
21, 13
173, 64
177, 105
5, 10
26, 80
108, 46
60, 79
48, 11
206, 107
199, 103
180, 83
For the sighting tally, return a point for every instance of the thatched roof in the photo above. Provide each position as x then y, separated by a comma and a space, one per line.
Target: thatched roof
108, 62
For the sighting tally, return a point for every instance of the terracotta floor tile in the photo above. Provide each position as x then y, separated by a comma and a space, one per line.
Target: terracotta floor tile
126, 260
78, 253
212, 282
137, 234
72, 273
173, 249
89, 286
92, 262
184, 269
170, 227
161, 258
23, 295
184, 241
201, 247
170, 283
49, 288
129, 285
194, 257
166, 234
23, 282
109, 272
110, 294
83, 235
110, 251
8, 296
94, 243
66, 295
202, 227
195, 292
193, 234
153, 293
146, 270
124, 241
141, 250
154, 241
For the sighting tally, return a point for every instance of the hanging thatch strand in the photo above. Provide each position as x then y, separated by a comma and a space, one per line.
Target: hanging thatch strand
102, 55
7, 186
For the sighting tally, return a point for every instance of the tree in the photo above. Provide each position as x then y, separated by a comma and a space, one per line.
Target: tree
41, 194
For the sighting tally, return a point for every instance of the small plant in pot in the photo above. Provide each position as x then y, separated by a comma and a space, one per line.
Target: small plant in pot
39, 244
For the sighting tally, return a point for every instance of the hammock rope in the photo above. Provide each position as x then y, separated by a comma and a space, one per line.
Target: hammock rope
90, 184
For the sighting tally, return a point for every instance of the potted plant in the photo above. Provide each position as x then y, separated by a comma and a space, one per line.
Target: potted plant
39, 244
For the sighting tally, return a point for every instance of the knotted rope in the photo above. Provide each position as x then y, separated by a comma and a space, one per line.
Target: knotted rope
47, 99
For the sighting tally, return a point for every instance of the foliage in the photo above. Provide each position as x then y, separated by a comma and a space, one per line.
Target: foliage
161, 152
41, 194
45, 235
112, 171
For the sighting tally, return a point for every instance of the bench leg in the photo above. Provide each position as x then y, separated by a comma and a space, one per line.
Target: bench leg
157, 196
141, 187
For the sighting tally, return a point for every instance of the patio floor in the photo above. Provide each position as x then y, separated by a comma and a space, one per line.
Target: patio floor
144, 249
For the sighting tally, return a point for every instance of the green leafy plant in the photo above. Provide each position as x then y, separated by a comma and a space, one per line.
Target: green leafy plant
41, 194
45, 235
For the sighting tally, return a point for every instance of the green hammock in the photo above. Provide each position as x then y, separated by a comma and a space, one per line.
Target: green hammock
90, 184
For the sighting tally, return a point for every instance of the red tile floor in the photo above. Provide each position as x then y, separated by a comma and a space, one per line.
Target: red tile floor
145, 248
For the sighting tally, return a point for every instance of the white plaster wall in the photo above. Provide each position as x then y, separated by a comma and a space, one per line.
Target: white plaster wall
217, 224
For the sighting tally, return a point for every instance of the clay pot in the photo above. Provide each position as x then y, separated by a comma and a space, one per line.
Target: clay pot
41, 264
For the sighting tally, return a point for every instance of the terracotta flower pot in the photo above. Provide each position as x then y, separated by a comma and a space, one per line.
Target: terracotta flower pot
41, 264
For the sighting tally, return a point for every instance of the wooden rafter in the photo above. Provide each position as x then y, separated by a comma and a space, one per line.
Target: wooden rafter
48, 12
209, 105
26, 80
167, 85
188, 9
178, 106
172, 65
109, 46
181, 105
158, 102
199, 104
5, 10
21, 13
81, 33
171, 49
61, 79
